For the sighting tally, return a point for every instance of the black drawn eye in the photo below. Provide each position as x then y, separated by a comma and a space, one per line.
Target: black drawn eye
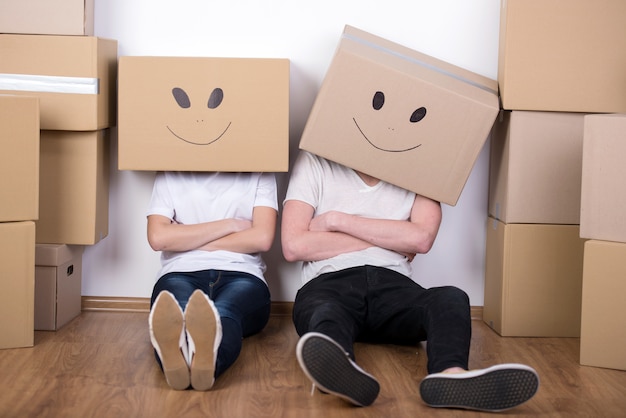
379, 100
181, 98
418, 115
217, 95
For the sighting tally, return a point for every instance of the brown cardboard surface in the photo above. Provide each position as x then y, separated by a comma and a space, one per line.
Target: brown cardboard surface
62, 63
565, 56
58, 274
74, 187
533, 279
19, 158
47, 17
55, 254
17, 279
603, 190
167, 122
352, 125
535, 167
603, 335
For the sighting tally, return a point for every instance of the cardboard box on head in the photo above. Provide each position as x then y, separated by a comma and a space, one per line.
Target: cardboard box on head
401, 116
203, 114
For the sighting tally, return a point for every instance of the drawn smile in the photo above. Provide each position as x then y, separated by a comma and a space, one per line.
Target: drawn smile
200, 142
381, 148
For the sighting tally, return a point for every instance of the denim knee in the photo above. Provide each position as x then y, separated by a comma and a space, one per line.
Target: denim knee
179, 284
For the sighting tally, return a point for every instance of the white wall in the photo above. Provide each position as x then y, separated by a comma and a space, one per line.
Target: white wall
462, 32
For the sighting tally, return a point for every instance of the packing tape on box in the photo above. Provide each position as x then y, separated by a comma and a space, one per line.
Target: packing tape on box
49, 84
418, 62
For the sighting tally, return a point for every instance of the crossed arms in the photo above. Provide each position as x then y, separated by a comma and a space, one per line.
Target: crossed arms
237, 235
306, 237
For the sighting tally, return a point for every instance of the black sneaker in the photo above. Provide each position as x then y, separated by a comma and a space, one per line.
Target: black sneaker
494, 389
330, 368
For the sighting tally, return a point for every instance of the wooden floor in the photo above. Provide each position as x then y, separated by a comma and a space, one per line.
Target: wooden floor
102, 365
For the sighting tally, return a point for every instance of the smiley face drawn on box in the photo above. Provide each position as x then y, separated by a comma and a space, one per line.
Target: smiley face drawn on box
401, 116
393, 125
373, 113
203, 114
199, 130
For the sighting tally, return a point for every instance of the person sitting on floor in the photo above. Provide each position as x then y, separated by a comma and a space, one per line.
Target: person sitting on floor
357, 236
211, 293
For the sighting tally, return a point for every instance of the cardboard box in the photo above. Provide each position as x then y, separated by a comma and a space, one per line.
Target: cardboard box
533, 279
73, 76
17, 280
401, 116
47, 17
74, 187
564, 56
603, 197
203, 114
58, 274
19, 158
603, 334
535, 167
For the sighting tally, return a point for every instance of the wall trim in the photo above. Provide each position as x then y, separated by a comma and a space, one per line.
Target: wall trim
132, 304
115, 304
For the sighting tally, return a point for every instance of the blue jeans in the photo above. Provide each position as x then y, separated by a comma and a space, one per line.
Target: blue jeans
375, 304
242, 300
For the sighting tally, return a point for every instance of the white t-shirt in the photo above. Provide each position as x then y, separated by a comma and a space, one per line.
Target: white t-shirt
193, 197
326, 186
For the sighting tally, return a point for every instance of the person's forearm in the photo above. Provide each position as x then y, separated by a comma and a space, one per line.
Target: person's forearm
179, 237
317, 245
249, 241
258, 238
401, 236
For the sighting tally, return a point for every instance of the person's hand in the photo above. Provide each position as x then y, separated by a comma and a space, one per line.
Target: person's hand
325, 222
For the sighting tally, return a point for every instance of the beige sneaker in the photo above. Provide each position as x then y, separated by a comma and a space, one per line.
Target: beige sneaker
167, 334
204, 335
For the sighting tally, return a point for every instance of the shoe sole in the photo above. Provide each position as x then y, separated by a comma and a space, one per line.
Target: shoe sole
497, 388
202, 326
167, 326
332, 370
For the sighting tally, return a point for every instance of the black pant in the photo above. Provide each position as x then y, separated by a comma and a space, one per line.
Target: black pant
375, 304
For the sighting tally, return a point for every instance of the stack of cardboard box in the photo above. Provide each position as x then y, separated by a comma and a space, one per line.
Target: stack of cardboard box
558, 62
19, 192
603, 222
534, 255
49, 55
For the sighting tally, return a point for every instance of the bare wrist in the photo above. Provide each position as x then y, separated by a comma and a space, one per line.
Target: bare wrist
339, 221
